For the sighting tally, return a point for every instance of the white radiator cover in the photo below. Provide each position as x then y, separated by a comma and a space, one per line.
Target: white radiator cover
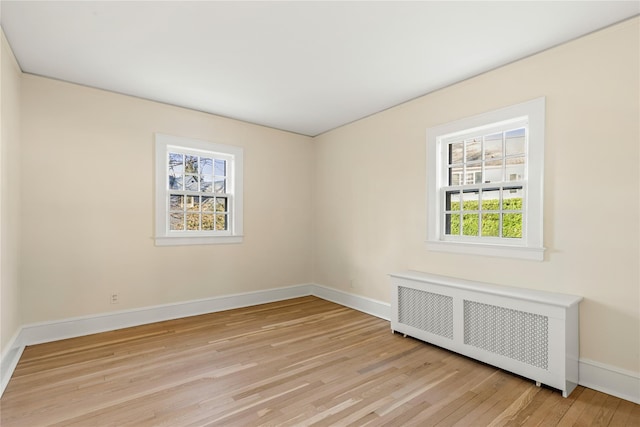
531, 333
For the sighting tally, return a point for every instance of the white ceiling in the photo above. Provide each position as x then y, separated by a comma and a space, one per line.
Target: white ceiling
305, 67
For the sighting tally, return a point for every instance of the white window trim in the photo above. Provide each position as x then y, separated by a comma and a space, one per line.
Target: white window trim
531, 245
164, 237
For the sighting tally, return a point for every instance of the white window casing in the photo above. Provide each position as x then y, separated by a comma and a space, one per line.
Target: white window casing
530, 115
166, 234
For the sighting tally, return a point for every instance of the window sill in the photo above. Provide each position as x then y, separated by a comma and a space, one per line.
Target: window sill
197, 240
504, 251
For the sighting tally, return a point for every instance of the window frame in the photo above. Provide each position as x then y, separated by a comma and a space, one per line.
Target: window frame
234, 157
530, 246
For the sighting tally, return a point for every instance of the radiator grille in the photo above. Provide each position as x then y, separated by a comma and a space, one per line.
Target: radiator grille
511, 333
426, 311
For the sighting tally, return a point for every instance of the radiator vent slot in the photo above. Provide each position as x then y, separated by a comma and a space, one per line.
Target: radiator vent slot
426, 311
511, 333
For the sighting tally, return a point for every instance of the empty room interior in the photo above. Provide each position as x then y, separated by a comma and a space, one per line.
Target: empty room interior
320, 213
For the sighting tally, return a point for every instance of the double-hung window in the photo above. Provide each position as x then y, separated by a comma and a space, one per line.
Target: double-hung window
198, 192
485, 181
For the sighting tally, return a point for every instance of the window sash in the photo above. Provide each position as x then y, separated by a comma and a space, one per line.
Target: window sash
447, 213
215, 212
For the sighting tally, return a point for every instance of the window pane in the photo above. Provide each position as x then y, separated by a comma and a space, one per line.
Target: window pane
512, 198
176, 203
470, 198
493, 146
220, 167
493, 171
221, 204
208, 222
221, 222
193, 221
491, 200
191, 183
452, 201
191, 164
455, 153
176, 163
206, 183
512, 225
220, 186
477, 177
206, 166
175, 182
207, 204
455, 175
176, 221
514, 142
515, 168
470, 224
193, 203
452, 224
474, 175
473, 147
491, 224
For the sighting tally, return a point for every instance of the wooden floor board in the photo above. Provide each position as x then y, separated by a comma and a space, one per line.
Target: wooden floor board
298, 362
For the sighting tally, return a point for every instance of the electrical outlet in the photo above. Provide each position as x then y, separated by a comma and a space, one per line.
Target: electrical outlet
114, 298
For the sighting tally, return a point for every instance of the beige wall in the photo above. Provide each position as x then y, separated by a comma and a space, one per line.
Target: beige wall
9, 194
370, 185
87, 205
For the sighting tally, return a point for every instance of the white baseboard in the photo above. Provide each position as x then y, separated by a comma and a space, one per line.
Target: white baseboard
594, 375
366, 305
38, 333
9, 360
611, 380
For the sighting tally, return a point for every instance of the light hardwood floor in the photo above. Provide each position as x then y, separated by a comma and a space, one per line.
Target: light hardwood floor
303, 361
